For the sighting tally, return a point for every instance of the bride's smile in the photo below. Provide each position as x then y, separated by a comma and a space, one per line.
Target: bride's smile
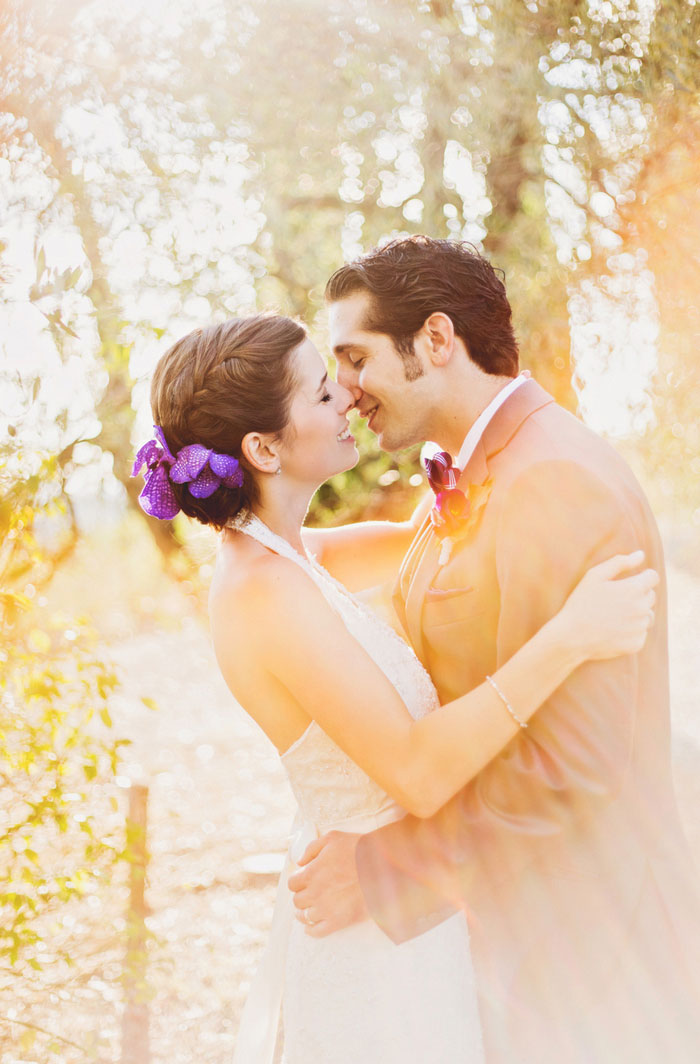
317, 442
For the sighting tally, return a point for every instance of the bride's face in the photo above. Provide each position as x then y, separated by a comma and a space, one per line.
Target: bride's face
318, 442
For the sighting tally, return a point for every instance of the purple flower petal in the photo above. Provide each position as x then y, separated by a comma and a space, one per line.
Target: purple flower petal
442, 473
157, 497
158, 432
145, 453
235, 480
224, 465
205, 484
191, 460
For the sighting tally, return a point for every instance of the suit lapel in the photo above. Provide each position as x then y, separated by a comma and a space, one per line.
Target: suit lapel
500, 430
423, 570
407, 572
421, 562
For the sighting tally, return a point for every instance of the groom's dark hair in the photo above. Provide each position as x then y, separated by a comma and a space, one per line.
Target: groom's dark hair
411, 278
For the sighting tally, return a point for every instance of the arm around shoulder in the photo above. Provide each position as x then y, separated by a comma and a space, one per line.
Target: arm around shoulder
366, 553
301, 642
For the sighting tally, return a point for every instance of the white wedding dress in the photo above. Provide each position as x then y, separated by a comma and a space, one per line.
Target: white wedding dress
355, 997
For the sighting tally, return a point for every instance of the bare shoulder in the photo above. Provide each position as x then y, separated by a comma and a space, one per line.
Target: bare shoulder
256, 607
257, 592
254, 583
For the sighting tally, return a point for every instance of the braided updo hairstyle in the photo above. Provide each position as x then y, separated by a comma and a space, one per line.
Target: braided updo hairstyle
217, 384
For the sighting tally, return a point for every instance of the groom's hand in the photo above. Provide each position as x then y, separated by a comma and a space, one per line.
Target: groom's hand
326, 891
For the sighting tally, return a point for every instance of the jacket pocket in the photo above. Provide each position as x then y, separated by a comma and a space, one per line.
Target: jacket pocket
451, 605
442, 594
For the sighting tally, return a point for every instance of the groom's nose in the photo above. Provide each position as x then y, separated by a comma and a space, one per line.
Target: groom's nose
348, 378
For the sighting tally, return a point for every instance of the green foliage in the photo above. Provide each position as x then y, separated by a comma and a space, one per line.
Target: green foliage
55, 741
60, 837
662, 221
247, 159
54, 748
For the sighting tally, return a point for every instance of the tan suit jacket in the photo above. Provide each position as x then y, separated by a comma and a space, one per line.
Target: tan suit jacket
566, 851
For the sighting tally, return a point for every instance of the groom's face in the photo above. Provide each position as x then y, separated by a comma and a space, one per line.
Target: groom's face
372, 369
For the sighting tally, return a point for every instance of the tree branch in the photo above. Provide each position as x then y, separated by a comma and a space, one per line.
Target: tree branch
52, 1034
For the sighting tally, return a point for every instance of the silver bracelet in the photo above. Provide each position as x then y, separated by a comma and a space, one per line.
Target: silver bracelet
506, 703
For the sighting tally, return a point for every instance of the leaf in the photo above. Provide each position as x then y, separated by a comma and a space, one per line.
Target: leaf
13, 599
27, 1039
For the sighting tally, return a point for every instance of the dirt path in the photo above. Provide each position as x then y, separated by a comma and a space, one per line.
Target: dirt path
219, 798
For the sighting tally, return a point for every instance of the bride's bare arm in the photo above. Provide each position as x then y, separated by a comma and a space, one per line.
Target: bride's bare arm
293, 634
366, 553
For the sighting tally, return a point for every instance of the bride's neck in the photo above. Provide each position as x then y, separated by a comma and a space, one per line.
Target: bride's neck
283, 509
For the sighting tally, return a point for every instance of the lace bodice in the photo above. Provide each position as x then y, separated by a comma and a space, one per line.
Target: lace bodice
329, 787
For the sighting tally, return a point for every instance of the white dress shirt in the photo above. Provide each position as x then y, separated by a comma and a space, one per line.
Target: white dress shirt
477, 430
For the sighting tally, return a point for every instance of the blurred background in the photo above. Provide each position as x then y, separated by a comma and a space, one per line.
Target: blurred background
167, 164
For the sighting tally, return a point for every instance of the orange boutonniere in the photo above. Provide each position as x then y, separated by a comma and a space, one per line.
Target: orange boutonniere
456, 514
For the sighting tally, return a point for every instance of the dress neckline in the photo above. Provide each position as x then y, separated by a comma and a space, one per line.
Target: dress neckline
249, 523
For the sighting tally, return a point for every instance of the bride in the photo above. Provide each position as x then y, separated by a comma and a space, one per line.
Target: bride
248, 425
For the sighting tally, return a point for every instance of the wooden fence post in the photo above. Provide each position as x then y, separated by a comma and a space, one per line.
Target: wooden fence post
135, 1020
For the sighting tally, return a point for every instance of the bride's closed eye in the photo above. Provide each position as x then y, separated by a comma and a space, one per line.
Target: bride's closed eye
326, 397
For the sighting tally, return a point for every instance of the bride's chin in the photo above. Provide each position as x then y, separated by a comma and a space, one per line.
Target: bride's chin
353, 460
353, 457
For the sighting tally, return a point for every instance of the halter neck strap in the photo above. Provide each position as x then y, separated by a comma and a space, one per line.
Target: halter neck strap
249, 523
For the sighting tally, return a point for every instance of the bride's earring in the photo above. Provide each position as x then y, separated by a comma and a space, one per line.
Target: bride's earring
278, 471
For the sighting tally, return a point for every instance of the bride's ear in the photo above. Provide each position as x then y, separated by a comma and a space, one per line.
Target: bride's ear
260, 452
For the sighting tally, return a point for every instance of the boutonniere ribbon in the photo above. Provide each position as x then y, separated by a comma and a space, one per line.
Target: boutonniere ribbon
456, 512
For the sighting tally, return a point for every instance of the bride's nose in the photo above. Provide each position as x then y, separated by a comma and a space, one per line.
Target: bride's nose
346, 399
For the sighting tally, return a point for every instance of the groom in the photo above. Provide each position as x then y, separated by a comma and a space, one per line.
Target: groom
566, 851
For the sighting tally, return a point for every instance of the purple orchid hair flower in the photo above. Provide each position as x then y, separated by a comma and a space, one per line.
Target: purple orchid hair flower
205, 470
157, 497
202, 469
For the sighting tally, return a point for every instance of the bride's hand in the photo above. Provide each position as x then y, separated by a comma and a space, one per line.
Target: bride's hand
609, 613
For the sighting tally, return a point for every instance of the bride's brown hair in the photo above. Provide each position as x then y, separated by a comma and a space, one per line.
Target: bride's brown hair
217, 384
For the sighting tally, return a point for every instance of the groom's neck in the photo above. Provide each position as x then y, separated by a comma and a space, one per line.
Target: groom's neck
462, 402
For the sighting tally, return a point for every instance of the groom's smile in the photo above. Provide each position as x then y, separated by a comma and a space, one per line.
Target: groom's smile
368, 413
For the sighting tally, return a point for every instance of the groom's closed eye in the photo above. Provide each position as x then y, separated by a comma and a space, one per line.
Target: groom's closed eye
350, 356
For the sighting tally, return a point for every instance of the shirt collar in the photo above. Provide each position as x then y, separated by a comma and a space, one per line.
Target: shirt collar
477, 430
